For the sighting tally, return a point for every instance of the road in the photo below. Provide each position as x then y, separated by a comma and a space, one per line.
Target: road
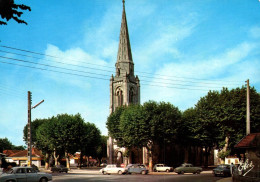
160, 177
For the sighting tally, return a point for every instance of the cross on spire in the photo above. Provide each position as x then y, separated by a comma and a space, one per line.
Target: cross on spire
123, 2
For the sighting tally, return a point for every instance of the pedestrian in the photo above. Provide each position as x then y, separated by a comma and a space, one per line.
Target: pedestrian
231, 169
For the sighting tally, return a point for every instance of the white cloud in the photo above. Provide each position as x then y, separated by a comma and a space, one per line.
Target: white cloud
228, 67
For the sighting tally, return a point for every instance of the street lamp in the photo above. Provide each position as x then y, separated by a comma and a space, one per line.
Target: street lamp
29, 134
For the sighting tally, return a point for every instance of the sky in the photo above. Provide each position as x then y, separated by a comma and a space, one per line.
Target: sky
67, 53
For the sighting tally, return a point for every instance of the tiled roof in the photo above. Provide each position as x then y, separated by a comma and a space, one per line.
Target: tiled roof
10, 152
250, 141
22, 153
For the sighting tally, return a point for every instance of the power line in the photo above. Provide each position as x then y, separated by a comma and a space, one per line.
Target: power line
44, 69
56, 57
160, 83
56, 61
68, 69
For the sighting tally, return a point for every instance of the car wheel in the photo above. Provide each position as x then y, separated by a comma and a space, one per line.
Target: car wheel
104, 172
182, 172
143, 172
43, 180
167, 170
120, 172
9, 181
155, 170
198, 172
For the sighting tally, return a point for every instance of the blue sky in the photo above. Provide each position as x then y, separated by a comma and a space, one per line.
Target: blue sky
181, 50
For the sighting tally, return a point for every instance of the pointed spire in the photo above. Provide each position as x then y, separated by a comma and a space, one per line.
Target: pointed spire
124, 50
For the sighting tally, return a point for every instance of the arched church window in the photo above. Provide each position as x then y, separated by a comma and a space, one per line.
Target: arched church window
119, 95
131, 96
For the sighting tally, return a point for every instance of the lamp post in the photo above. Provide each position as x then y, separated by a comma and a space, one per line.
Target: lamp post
29, 128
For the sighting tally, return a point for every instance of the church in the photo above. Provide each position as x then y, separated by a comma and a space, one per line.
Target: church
125, 90
124, 86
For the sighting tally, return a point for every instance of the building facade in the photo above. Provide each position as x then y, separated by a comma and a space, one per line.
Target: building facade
124, 86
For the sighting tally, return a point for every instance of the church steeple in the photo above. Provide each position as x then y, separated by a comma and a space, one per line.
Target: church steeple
124, 54
124, 86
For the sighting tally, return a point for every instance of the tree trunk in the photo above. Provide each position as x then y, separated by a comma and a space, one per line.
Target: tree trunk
67, 160
56, 157
225, 148
47, 156
226, 144
150, 157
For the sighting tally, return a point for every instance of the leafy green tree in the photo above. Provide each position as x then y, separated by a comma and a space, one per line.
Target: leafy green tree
186, 131
90, 140
217, 119
47, 140
5, 144
102, 148
69, 132
34, 126
134, 127
163, 121
113, 122
148, 125
10, 10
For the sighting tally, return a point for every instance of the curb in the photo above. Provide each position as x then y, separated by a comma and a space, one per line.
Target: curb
225, 180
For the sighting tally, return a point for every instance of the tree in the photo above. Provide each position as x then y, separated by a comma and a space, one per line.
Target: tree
134, 128
163, 120
34, 126
90, 141
144, 126
5, 144
46, 140
69, 132
113, 122
10, 10
102, 148
217, 118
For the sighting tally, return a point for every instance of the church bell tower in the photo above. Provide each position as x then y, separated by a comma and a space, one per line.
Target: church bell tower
124, 86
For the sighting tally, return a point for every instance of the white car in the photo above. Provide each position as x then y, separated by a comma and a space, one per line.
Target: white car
162, 167
28, 174
111, 168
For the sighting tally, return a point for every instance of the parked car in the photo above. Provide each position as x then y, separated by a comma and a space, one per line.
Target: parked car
25, 174
188, 168
59, 169
222, 170
162, 167
112, 168
137, 168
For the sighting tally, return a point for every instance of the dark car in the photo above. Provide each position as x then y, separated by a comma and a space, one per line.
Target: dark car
222, 170
137, 168
59, 168
187, 168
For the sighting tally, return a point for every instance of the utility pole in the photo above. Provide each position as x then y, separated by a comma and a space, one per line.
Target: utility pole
29, 128
247, 109
29, 134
